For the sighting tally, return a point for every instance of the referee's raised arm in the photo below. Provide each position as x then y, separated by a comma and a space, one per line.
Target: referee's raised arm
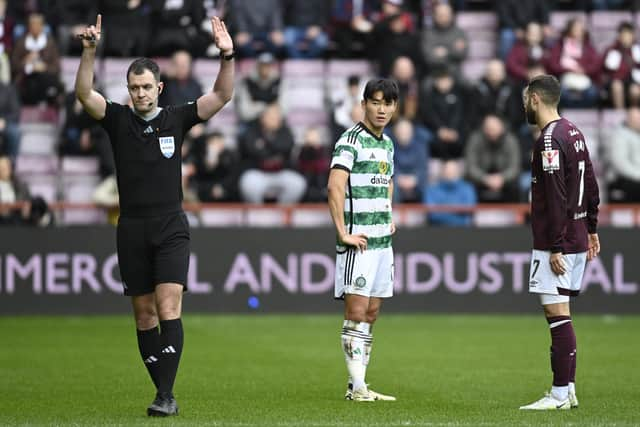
210, 103
92, 101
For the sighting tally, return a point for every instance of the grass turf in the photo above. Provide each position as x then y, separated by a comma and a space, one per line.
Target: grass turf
289, 371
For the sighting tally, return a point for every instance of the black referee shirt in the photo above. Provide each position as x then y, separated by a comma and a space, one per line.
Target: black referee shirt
148, 157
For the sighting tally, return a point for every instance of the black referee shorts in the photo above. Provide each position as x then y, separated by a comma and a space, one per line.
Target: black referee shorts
153, 250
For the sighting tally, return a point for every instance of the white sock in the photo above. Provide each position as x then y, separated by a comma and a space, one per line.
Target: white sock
572, 388
368, 344
560, 392
353, 339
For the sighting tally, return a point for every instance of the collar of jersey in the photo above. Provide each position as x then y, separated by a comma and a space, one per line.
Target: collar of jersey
145, 118
379, 138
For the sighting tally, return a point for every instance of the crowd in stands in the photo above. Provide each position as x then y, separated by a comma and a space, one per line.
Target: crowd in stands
460, 137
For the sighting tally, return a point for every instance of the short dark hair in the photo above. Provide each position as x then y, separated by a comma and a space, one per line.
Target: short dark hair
625, 26
547, 87
139, 66
388, 87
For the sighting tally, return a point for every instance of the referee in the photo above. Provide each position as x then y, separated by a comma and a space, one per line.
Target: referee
153, 233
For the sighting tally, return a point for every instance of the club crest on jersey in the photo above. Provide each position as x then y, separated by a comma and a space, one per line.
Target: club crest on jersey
550, 160
383, 167
167, 146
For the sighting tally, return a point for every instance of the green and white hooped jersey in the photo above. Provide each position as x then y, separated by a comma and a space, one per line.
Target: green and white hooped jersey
369, 161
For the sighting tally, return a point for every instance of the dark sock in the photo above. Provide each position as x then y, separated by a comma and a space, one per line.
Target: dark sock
563, 349
149, 346
171, 337
572, 372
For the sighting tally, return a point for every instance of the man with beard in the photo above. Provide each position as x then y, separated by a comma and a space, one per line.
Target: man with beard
564, 211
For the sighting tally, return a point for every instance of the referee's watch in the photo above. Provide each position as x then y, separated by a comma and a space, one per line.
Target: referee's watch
228, 57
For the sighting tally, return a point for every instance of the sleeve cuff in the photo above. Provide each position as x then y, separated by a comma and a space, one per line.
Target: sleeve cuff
339, 166
556, 249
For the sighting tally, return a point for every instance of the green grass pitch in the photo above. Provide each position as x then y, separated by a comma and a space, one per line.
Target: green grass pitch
446, 370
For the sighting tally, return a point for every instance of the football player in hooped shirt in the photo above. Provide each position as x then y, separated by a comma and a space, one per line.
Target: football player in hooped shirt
564, 216
153, 232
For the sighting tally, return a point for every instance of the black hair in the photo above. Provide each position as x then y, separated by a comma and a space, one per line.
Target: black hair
388, 87
547, 86
141, 64
625, 26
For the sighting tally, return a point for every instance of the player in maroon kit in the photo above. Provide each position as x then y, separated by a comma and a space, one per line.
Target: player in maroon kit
564, 212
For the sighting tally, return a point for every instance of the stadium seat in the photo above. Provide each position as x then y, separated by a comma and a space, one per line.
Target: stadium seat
481, 47
299, 120
71, 165
68, 70
310, 218
45, 186
473, 69
221, 217
264, 217
38, 114
79, 188
83, 217
409, 218
36, 164
612, 118
558, 20
495, 218
225, 121
609, 19
469, 21
206, 71
38, 138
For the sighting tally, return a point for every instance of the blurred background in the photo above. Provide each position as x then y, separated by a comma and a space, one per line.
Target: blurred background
462, 145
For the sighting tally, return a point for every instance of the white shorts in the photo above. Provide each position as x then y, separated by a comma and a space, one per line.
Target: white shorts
368, 273
556, 289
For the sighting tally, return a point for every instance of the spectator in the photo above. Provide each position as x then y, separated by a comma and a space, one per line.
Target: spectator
215, 167
451, 190
444, 44
82, 135
410, 161
624, 154
12, 190
313, 162
513, 18
36, 65
621, 68
352, 22
175, 26
259, 89
404, 73
6, 42
392, 37
266, 151
526, 53
443, 112
305, 24
205, 45
575, 62
258, 27
493, 162
72, 17
496, 95
344, 103
180, 86
9, 117
126, 27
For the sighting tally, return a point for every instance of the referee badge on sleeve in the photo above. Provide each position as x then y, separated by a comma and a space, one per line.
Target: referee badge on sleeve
167, 146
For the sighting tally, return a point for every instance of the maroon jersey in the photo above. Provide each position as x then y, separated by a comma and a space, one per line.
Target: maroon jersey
565, 198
